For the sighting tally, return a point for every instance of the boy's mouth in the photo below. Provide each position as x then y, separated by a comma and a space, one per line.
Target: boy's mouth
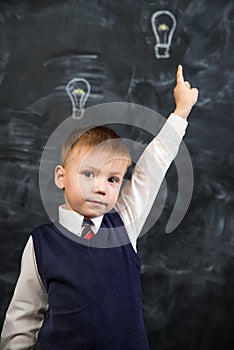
96, 203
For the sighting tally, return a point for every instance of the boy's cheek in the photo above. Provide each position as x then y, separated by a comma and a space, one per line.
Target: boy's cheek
114, 196
84, 186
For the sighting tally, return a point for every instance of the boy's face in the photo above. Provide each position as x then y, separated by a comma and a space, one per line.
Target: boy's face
91, 181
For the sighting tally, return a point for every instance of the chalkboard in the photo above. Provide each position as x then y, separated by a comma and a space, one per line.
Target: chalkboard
187, 276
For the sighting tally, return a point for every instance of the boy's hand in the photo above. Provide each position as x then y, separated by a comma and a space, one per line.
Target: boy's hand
185, 96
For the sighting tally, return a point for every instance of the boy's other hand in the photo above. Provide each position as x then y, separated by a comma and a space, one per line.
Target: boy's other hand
185, 96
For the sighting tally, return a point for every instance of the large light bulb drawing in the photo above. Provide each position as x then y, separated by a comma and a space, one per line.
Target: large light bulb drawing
78, 90
163, 25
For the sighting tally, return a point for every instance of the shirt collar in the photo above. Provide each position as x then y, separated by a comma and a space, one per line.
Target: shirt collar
72, 220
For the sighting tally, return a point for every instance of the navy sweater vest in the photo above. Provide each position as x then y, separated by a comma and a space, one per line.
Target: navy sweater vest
94, 293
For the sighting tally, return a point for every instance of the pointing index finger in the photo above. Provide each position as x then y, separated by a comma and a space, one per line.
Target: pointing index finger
179, 74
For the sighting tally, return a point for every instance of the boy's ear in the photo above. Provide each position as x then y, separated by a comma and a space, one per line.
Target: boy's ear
59, 176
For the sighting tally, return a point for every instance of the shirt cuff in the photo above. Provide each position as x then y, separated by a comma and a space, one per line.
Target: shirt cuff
178, 123
173, 130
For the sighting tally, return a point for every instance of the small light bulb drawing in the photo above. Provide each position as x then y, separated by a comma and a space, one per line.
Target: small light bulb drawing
78, 90
163, 25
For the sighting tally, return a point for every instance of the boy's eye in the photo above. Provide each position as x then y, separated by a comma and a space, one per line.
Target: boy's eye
113, 179
88, 174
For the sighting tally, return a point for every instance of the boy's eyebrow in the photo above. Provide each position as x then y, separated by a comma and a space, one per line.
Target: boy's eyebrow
115, 172
90, 167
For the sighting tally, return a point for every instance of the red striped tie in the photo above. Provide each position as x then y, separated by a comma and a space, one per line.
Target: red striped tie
86, 231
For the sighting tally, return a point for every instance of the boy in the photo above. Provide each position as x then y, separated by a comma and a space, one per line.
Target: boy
91, 284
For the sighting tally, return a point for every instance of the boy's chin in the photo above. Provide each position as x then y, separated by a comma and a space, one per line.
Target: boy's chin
96, 212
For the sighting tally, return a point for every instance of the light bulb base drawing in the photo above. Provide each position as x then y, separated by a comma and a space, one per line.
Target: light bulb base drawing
161, 51
163, 25
78, 90
78, 113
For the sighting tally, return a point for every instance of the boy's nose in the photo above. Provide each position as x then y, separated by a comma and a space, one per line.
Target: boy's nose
100, 186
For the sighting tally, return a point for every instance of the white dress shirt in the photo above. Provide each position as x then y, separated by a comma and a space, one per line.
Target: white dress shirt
26, 311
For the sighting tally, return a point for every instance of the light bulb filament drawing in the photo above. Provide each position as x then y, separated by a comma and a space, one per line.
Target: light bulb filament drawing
78, 90
163, 25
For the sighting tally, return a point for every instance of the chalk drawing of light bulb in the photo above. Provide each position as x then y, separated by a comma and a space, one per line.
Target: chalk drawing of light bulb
163, 25
78, 90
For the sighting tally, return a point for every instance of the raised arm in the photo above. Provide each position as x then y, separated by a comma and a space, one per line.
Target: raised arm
27, 308
138, 194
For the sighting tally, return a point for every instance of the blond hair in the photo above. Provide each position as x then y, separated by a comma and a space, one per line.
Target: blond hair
101, 138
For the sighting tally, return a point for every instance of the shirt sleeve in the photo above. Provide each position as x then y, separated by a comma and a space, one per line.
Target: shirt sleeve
26, 311
139, 193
